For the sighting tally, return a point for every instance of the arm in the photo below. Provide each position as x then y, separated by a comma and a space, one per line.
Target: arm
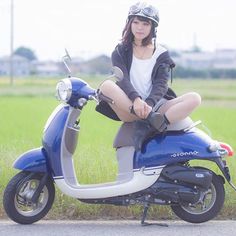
160, 77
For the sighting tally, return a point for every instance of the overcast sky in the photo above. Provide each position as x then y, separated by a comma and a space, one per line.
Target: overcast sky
89, 27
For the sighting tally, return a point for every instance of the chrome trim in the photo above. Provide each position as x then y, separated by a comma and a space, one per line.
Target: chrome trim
68, 89
223, 152
214, 146
148, 168
193, 125
58, 177
232, 185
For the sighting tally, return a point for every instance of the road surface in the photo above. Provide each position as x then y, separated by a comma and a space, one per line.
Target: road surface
115, 228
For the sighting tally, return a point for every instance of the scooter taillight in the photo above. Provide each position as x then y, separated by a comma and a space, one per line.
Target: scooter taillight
227, 148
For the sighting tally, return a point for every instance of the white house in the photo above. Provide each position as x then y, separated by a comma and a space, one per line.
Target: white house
21, 66
219, 59
225, 59
45, 68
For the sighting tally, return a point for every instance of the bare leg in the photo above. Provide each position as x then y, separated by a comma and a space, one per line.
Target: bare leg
121, 104
174, 110
180, 107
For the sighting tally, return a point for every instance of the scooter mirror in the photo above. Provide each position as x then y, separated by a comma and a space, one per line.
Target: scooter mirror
117, 73
67, 56
65, 59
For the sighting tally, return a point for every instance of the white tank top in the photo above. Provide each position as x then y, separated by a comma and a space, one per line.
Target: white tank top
141, 72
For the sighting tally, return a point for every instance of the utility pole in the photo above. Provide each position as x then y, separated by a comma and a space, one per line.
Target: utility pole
12, 42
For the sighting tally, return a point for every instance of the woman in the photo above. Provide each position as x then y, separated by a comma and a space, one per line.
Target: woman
143, 95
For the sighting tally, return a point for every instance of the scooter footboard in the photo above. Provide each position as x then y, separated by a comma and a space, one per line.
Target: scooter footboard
33, 160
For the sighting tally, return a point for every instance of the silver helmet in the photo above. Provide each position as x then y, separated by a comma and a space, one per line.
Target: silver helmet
145, 10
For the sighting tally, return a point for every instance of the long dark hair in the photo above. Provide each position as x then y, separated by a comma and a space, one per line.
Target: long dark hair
128, 37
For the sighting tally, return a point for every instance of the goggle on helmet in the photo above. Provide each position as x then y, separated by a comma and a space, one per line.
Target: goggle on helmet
145, 10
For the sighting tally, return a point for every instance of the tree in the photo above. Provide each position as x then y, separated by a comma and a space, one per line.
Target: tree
25, 52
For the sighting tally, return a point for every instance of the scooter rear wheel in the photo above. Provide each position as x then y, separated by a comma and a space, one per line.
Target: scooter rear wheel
17, 194
206, 209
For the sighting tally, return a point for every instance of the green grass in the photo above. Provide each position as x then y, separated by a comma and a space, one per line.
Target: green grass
25, 111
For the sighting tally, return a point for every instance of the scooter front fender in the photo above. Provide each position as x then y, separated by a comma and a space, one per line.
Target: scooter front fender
33, 160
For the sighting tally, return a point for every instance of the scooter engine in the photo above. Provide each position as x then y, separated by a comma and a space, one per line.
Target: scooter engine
181, 184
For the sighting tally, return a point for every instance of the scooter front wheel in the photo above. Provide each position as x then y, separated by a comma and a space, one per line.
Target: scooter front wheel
17, 195
208, 206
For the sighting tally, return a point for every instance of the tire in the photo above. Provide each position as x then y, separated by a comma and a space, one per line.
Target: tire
193, 215
15, 202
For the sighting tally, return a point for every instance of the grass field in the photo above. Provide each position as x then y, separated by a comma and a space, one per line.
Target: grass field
26, 106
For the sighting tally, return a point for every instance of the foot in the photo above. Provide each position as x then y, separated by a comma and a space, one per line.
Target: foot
157, 121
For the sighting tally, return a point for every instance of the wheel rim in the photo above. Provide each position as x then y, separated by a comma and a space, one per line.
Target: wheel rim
206, 202
22, 203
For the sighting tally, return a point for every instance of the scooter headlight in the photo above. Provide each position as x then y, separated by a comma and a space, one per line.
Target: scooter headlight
64, 90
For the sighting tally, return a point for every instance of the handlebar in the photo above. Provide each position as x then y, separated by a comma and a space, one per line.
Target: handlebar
98, 97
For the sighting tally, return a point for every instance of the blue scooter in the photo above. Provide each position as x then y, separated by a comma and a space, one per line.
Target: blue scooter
159, 173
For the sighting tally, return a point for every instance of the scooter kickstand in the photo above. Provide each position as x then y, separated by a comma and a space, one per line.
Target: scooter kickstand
143, 223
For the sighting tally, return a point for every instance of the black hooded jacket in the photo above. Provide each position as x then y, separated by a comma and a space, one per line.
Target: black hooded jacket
122, 58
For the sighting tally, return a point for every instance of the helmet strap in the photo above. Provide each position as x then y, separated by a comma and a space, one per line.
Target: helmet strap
154, 45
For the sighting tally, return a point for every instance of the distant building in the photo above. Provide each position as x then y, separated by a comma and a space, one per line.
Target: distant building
197, 60
219, 59
97, 65
24, 67
224, 59
45, 68
21, 66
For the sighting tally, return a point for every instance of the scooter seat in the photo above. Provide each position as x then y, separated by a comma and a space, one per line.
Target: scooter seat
124, 136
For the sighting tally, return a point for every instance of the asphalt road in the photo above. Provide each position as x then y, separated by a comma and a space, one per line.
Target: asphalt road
114, 228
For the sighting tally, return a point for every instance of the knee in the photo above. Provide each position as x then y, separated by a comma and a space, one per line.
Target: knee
194, 98
107, 86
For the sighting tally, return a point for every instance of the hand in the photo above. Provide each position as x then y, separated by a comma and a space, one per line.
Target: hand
141, 108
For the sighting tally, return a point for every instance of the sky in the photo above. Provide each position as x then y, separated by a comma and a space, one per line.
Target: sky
93, 27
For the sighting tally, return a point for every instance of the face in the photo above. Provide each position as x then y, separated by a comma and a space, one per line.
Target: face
140, 29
